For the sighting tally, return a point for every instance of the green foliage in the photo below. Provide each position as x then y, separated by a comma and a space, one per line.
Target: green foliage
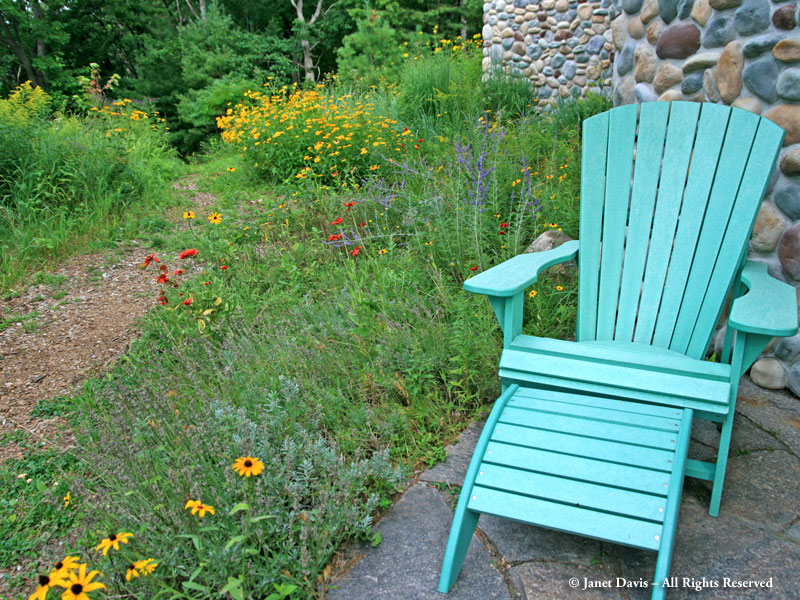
374, 50
65, 181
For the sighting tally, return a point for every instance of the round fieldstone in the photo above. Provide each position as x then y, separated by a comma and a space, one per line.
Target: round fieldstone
787, 198
623, 94
678, 41
670, 96
548, 71
748, 103
768, 373
654, 31
685, 8
534, 51
518, 48
720, 31
667, 76
625, 59
788, 117
788, 348
787, 50
585, 11
710, 86
500, 5
701, 12
487, 32
619, 32
569, 69
558, 61
635, 28
752, 17
643, 93
729, 72
757, 47
789, 84
789, 252
693, 83
701, 61
595, 44
646, 64
793, 379
790, 163
768, 229
507, 43
761, 76
667, 10
785, 17
649, 10
632, 6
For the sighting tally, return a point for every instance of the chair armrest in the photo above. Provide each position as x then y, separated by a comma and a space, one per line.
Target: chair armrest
768, 308
514, 275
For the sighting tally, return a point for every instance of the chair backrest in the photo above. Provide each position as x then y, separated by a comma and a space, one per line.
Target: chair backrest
669, 195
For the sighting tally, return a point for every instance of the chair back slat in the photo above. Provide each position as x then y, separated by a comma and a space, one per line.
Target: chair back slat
664, 228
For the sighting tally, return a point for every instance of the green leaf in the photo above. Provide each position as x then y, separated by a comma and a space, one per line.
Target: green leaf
195, 573
234, 540
234, 588
40, 486
261, 518
376, 539
239, 507
191, 585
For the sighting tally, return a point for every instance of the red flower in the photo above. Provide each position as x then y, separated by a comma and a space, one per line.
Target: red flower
179, 272
206, 283
475, 268
348, 204
163, 278
224, 267
337, 221
334, 237
416, 146
188, 253
419, 140
503, 225
163, 268
149, 259
355, 251
362, 224
188, 301
405, 128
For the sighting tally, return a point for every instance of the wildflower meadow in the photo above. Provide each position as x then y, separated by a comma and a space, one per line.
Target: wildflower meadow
306, 346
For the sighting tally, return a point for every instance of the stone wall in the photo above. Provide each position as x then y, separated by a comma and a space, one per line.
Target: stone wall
745, 53
563, 46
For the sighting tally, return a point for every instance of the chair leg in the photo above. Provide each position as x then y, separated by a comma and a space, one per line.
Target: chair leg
464, 523
722, 462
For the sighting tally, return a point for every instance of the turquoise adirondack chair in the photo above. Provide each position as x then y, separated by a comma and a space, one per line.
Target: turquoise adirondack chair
591, 436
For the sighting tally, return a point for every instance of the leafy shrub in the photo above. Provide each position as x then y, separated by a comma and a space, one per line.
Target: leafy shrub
308, 134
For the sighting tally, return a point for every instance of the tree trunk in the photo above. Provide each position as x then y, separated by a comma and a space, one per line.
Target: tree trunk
9, 39
308, 61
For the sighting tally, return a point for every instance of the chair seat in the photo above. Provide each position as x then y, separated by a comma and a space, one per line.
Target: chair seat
620, 370
593, 466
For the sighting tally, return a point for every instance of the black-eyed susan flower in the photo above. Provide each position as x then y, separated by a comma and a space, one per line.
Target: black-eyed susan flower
79, 584
247, 466
145, 566
44, 583
382, 251
215, 218
230, 169
64, 567
67, 500
113, 541
188, 214
198, 507
560, 288
131, 572
532, 294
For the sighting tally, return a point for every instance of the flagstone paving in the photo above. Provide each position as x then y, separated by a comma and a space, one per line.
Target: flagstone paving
755, 538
